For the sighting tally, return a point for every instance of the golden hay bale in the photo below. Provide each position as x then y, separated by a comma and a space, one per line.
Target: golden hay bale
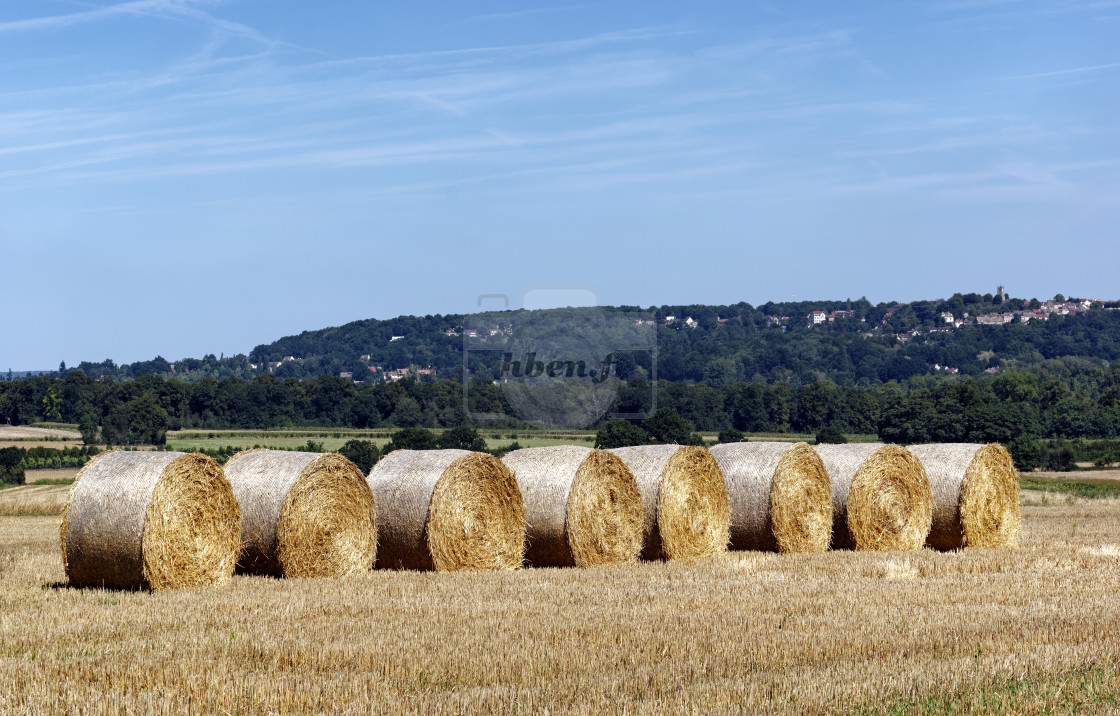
780, 496
582, 506
303, 514
684, 500
975, 495
161, 520
447, 510
880, 496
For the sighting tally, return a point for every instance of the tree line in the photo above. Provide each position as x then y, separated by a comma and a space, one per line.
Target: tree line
1061, 398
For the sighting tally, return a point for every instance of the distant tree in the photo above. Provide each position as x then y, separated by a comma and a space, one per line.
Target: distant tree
52, 405
667, 426
462, 438
139, 421
731, 435
721, 372
620, 433
407, 413
11, 468
412, 439
1026, 451
831, 434
363, 453
1059, 457
500, 452
87, 426
62, 368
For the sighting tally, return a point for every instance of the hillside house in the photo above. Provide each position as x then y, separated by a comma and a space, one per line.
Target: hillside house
994, 319
817, 317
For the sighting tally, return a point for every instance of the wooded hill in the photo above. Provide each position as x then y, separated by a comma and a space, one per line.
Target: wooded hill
863, 345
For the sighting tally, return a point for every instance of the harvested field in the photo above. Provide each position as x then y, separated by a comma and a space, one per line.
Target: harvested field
63, 473
24, 432
839, 632
33, 500
1080, 475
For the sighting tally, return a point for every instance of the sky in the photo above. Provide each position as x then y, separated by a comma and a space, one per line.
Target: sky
182, 177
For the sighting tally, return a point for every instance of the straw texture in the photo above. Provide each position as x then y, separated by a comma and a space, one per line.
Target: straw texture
157, 520
779, 494
582, 506
303, 514
881, 497
684, 500
447, 510
975, 495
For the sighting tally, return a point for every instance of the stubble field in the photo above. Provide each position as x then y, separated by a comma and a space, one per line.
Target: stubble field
1034, 630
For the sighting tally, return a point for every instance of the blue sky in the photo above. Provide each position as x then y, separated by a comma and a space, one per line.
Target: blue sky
182, 177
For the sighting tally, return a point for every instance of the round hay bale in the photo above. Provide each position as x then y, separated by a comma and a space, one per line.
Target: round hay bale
582, 506
684, 500
447, 510
156, 520
975, 495
779, 494
303, 514
881, 497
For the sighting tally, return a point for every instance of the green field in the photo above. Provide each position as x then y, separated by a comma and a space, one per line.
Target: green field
333, 439
1092, 489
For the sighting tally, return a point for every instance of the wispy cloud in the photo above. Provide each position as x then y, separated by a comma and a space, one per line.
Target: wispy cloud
625, 107
54, 22
1069, 71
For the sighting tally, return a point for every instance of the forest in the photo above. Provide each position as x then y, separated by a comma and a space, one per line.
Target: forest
871, 345
1057, 398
